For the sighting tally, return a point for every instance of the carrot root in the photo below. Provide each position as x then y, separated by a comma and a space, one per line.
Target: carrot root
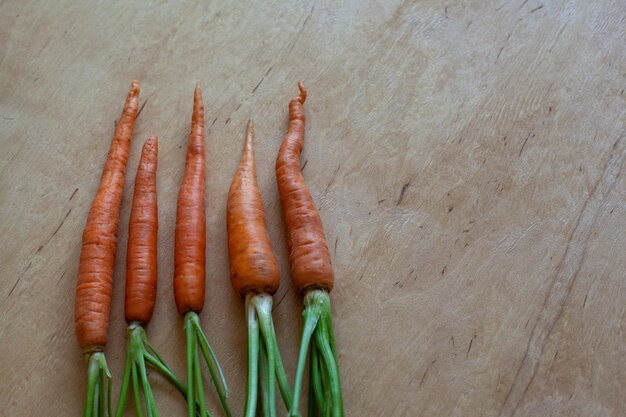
265, 365
318, 336
197, 344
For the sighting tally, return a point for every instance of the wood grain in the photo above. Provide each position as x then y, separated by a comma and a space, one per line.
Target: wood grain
467, 159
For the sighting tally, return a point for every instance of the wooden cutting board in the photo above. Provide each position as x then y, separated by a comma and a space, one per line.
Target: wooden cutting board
467, 159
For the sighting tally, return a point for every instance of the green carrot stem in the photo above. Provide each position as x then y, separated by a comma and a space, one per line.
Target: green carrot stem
214, 368
198, 380
121, 402
316, 380
311, 316
151, 410
281, 375
253, 360
191, 346
311, 404
331, 369
96, 409
264, 381
263, 307
136, 392
98, 380
102, 401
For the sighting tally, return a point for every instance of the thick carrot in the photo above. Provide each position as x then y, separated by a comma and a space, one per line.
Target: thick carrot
308, 251
190, 235
141, 256
254, 273
253, 265
95, 273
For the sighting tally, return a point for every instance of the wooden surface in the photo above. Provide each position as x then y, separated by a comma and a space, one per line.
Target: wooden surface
467, 159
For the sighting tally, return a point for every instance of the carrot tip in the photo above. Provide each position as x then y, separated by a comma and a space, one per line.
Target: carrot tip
249, 133
303, 92
197, 85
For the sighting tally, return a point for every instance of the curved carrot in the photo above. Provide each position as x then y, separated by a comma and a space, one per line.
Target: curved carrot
95, 273
253, 265
141, 256
311, 272
308, 251
190, 235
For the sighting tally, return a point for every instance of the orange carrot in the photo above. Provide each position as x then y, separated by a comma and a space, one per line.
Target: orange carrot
141, 256
141, 283
254, 273
189, 267
95, 274
190, 235
311, 272
308, 251
253, 265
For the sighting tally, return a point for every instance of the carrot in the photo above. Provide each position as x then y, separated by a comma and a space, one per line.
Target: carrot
255, 275
141, 284
189, 266
97, 257
308, 252
190, 236
253, 265
311, 272
141, 256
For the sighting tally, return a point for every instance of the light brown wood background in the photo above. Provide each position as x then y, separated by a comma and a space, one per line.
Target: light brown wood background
467, 159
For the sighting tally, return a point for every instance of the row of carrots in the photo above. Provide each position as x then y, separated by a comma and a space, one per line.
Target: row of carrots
254, 274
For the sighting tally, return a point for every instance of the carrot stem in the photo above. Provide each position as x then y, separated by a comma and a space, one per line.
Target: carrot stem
263, 354
195, 391
121, 402
316, 381
281, 375
101, 399
311, 316
264, 381
191, 344
151, 410
136, 391
214, 368
98, 384
312, 405
96, 409
318, 335
139, 354
263, 307
198, 381
253, 360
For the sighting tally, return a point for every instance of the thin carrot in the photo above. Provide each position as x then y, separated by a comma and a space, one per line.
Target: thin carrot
308, 252
255, 275
141, 285
190, 235
97, 257
141, 256
189, 266
311, 271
